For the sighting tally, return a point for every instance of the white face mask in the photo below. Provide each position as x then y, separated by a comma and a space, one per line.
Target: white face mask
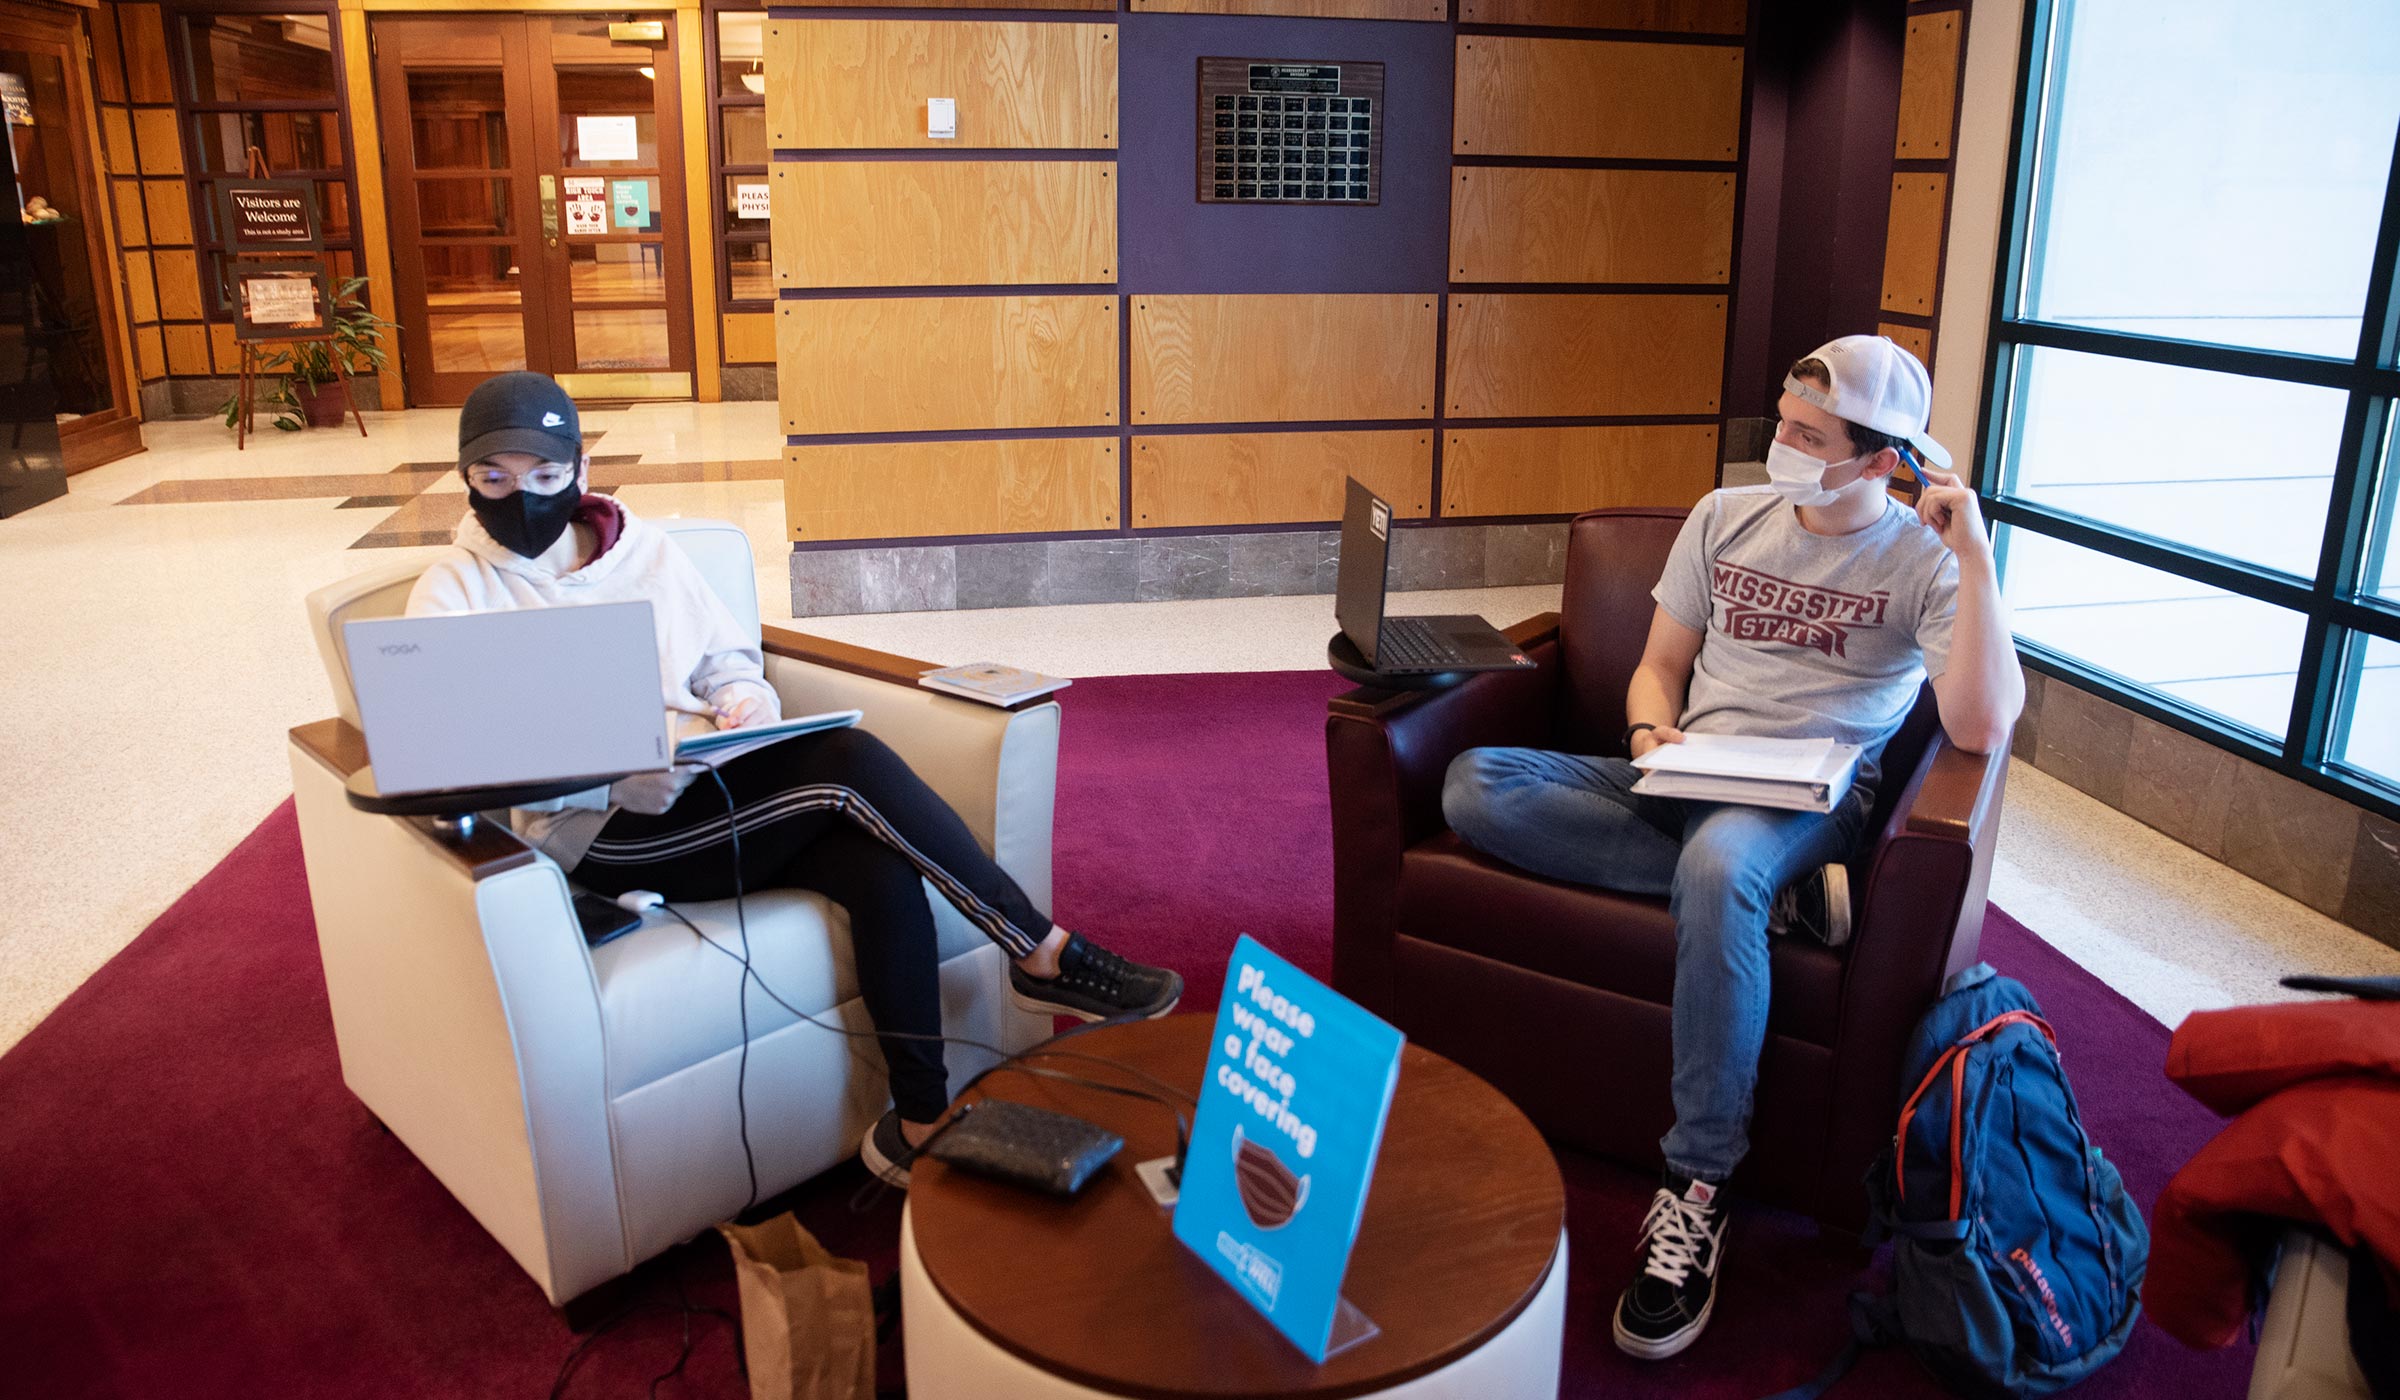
1800, 478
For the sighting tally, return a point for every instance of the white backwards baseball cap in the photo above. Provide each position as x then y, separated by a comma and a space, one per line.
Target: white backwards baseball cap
1878, 385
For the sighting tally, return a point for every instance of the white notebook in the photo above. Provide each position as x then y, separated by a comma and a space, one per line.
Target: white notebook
992, 683
1799, 775
718, 745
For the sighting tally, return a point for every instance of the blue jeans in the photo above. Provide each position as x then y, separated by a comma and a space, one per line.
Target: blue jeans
1577, 819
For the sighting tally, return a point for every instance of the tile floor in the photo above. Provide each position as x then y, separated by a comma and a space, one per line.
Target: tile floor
156, 653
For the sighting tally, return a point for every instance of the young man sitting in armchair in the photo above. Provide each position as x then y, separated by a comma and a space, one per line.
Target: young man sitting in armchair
1758, 632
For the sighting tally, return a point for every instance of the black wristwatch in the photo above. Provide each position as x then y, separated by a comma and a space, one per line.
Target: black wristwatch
1633, 729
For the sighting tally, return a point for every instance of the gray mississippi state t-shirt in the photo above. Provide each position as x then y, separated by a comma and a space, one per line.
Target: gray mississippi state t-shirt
1808, 636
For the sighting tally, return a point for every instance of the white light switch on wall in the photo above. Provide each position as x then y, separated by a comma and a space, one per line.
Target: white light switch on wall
941, 118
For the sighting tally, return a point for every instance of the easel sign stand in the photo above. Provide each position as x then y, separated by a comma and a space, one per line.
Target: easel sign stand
268, 225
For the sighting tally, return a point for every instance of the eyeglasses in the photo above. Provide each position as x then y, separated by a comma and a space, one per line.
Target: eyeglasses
492, 482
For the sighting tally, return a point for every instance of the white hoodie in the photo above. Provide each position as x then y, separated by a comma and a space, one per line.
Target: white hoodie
707, 659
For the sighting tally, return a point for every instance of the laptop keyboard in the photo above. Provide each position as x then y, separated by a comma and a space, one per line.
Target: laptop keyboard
1408, 642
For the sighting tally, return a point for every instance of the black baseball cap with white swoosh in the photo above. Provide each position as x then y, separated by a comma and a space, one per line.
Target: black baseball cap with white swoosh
519, 411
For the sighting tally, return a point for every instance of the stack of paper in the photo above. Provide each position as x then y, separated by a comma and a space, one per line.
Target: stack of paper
1800, 775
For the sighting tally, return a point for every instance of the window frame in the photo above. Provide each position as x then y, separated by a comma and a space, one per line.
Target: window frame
208, 244
2337, 603
719, 172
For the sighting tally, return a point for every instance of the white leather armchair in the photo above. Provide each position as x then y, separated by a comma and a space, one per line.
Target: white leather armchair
580, 1102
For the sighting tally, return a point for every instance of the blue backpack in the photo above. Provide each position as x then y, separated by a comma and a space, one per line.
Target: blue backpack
2017, 1256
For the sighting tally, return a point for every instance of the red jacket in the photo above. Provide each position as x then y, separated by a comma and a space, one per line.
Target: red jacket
2317, 1088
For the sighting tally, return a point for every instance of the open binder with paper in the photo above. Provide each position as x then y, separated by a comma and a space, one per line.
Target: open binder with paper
1799, 775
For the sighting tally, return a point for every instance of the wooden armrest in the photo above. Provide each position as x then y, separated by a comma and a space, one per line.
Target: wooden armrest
841, 656
1957, 789
1372, 703
487, 850
864, 661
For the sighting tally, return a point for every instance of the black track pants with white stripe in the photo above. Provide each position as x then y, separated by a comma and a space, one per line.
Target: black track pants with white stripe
841, 814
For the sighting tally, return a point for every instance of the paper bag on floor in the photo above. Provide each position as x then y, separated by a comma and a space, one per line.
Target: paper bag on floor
808, 1318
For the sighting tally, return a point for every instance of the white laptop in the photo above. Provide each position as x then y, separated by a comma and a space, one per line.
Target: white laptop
467, 700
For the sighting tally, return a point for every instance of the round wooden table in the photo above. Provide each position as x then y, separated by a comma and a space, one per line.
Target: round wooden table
1461, 1257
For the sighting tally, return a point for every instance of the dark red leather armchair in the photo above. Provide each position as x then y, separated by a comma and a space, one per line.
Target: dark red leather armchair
1558, 994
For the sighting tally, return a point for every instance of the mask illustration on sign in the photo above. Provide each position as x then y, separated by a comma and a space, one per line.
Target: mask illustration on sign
1800, 478
526, 522
1270, 1193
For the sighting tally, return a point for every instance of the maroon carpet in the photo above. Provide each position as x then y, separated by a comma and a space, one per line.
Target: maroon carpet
192, 1205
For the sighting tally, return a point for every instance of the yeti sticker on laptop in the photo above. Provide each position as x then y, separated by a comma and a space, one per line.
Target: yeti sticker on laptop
1291, 1116
1379, 519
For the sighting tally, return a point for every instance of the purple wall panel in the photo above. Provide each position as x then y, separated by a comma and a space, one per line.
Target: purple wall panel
1170, 242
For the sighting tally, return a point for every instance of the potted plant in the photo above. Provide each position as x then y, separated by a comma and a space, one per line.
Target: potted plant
305, 392
308, 367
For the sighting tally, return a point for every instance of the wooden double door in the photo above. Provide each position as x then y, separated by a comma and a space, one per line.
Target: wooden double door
535, 177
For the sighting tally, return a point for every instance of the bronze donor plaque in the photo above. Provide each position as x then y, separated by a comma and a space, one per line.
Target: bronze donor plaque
1276, 132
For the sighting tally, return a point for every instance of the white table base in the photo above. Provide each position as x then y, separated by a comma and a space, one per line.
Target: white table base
949, 1360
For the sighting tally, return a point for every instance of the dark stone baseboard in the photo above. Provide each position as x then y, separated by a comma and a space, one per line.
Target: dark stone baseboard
1158, 568
746, 383
195, 397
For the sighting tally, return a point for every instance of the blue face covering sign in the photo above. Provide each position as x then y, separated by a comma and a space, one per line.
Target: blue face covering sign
1291, 1116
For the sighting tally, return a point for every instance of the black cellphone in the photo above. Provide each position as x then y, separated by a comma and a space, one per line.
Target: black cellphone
603, 919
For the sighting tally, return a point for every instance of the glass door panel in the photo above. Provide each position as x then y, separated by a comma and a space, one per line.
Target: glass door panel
474, 308
626, 271
626, 287
472, 206
459, 121
561, 252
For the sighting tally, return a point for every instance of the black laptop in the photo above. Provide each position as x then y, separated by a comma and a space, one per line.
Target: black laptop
1404, 646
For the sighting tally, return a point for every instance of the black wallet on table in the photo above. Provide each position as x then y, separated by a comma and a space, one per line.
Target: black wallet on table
1029, 1146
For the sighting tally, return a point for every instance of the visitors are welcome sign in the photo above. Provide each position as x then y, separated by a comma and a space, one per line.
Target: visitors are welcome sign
1291, 1116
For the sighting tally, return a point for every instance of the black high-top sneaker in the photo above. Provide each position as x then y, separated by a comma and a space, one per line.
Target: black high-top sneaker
1682, 1240
885, 1152
1095, 984
1817, 904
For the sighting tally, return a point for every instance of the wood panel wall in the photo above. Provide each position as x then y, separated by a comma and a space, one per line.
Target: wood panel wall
931, 364
1512, 224
1555, 471
141, 152
863, 84
1596, 99
1199, 479
1591, 271
1923, 151
1282, 359
1595, 290
899, 489
749, 338
1575, 356
945, 223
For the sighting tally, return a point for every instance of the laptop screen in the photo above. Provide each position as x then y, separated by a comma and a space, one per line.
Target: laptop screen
1366, 546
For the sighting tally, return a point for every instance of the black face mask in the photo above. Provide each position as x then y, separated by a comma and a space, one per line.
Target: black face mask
524, 521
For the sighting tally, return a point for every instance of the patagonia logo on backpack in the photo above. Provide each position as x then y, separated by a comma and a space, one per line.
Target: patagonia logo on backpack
2017, 1256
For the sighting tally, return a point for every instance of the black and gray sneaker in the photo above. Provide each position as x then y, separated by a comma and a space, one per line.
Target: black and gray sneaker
885, 1152
1095, 984
1668, 1305
1817, 904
